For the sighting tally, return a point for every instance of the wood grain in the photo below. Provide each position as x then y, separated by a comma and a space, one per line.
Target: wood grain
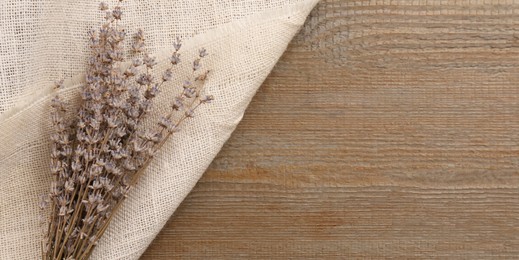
389, 129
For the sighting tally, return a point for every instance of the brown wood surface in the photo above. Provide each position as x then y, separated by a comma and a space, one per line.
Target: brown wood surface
389, 129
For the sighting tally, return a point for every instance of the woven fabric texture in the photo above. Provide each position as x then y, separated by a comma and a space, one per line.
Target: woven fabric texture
45, 40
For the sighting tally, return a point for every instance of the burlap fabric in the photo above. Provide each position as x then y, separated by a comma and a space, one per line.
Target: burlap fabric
41, 41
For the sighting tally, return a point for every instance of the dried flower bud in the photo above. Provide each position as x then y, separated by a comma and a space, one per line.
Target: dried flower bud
165, 122
57, 104
175, 58
93, 240
83, 235
55, 154
117, 102
65, 173
136, 62
94, 171
207, 99
54, 190
119, 36
196, 64
103, 6
60, 128
173, 129
89, 139
82, 179
115, 144
131, 71
144, 79
55, 166
43, 201
128, 165
124, 153
80, 151
116, 55
74, 233
117, 171
100, 162
150, 152
138, 146
95, 185
67, 151
109, 166
167, 75
177, 104
69, 186
117, 155
133, 113
189, 92
100, 208
93, 33
81, 124
125, 190
203, 76
139, 36
93, 199
76, 166
131, 123
61, 200
117, 13
81, 136
64, 140
108, 16
190, 113
202, 53
86, 96
59, 84
135, 94
87, 221
138, 47
107, 184
149, 61
151, 93
120, 131
95, 124
177, 44
152, 136
62, 211
105, 148
111, 121
55, 138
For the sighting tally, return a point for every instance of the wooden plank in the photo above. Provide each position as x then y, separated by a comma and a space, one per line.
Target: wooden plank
389, 129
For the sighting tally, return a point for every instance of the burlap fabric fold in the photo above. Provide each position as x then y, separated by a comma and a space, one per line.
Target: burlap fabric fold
42, 41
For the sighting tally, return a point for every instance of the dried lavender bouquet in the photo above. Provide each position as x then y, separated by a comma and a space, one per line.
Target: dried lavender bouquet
98, 155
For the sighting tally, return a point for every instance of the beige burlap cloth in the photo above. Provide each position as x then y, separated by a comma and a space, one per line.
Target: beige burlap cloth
42, 41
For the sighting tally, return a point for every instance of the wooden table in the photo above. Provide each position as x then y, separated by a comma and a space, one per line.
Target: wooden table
389, 129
